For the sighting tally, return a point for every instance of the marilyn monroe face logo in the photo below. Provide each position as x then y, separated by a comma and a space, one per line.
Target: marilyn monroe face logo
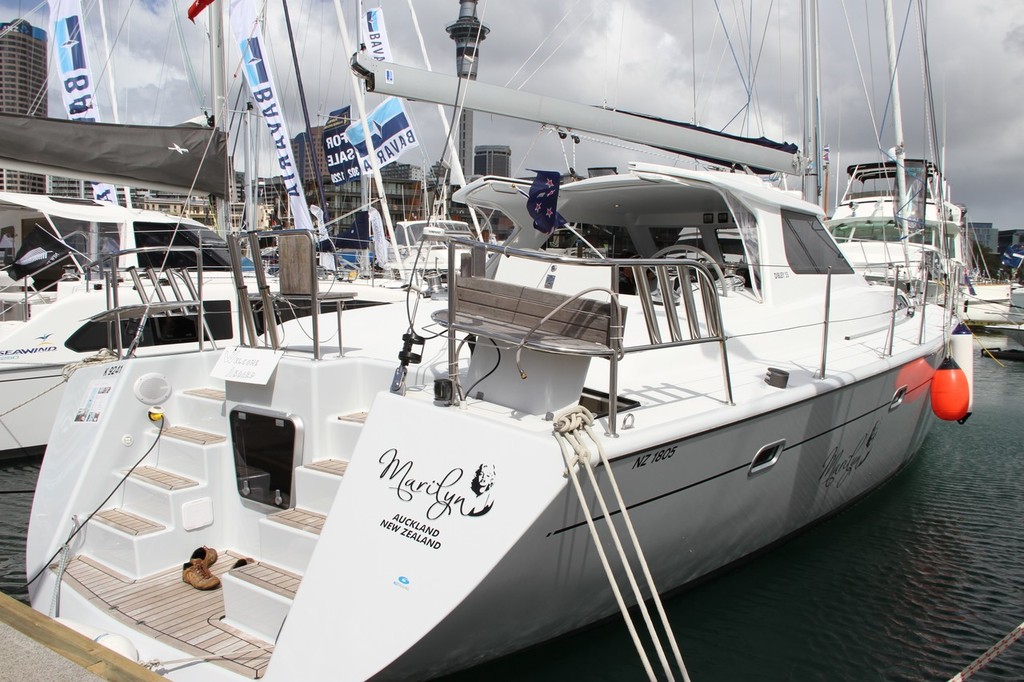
481, 486
449, 494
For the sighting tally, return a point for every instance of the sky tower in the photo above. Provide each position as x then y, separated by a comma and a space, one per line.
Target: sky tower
467, 32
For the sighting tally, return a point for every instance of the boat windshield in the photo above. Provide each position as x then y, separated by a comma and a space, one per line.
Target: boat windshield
409, 234
874, 231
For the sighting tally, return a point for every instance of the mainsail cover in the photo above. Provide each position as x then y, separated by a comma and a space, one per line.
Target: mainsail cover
176, 158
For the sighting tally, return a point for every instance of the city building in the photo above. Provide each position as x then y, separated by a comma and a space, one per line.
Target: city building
493, 159
23, 77
983, 234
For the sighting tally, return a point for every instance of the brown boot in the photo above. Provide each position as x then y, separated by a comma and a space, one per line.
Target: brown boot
196, 574
207, 555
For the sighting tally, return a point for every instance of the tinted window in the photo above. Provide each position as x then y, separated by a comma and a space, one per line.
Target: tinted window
159, 331
162, 235
809, 248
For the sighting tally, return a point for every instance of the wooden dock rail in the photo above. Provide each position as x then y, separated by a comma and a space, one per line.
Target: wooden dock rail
28, 640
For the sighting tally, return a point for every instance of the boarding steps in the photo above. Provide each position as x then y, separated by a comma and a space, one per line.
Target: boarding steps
171, 490
257, 600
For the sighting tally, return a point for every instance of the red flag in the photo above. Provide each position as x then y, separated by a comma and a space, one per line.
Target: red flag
197, 7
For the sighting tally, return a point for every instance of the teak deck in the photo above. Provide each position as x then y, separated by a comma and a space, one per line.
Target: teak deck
164, 607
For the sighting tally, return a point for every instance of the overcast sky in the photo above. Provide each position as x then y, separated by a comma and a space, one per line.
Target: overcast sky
678, 60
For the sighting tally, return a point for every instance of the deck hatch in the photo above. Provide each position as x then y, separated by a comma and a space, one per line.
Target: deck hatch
267, 447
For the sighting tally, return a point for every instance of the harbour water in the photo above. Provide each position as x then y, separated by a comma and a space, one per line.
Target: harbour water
912, 583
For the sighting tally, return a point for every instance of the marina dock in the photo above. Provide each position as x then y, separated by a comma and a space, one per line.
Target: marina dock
36, 647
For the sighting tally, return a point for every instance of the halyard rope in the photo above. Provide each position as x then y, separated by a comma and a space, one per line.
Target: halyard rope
569, 427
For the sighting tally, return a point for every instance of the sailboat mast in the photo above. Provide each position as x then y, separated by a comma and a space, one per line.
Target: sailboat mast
218, 88
897, 126
812, 160
897, 119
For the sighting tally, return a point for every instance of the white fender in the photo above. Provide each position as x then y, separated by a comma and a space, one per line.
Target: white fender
962, 342
116, 643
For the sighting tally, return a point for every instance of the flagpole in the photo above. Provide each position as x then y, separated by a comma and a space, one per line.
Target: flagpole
361, 105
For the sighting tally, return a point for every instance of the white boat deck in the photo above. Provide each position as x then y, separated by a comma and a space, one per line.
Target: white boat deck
172, 611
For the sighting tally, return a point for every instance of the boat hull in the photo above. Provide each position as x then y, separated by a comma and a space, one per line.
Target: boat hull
695, 512
28, 404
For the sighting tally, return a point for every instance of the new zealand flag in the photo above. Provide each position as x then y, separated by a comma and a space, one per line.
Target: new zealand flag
1013, 256
39, 250
542, 201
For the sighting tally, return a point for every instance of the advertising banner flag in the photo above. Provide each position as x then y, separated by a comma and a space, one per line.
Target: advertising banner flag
257, 71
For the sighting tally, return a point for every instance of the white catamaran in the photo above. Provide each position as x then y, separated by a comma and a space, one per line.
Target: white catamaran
358, 517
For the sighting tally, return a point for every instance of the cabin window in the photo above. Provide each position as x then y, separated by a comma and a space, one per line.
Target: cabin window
809, 248
158, 331
267, 447
162, 235
90, 239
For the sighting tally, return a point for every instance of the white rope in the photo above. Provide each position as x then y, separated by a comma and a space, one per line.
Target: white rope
569, 425
102, 355
570, 464
990, 655
155, 663
65, 558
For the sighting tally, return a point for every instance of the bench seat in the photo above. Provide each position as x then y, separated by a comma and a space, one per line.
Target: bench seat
507, 312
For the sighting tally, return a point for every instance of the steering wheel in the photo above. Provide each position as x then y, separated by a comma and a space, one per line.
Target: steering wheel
702, 255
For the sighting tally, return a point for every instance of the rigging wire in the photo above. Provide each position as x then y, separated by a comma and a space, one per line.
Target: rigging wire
550, 32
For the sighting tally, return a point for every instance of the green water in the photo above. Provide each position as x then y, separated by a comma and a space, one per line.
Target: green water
912, 583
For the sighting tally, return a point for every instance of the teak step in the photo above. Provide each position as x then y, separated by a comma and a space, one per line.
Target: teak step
211, 393
126, 522
357, 417
192, 435
163, 479
329, 466
270, 578
303, 519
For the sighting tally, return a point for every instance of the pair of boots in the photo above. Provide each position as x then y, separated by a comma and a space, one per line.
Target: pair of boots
197, 571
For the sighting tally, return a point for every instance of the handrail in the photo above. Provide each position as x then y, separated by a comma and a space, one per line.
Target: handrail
664, 270
113, 298
266, 297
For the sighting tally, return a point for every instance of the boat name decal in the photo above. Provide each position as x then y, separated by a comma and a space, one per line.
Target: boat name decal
29, 351
653, 456
443, 493
839, 466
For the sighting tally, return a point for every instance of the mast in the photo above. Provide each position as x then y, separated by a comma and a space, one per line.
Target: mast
812, 157
218, 87
374, 165
897, 126
900, 151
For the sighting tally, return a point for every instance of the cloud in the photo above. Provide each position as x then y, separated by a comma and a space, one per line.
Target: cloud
683, 61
